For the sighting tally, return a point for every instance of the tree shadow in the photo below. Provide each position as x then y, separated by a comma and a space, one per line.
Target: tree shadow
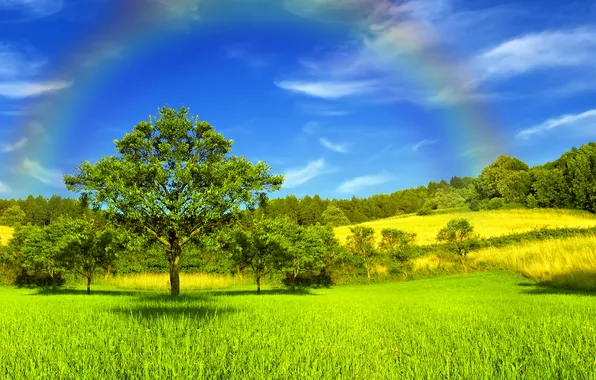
264, 292
193, 306
83, 292
553, 287
175, 311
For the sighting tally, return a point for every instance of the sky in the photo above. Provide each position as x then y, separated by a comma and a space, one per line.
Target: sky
344, 97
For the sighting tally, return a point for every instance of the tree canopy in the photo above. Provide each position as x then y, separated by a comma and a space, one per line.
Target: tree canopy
174, 179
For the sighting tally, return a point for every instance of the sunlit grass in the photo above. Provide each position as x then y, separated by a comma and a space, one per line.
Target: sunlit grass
562, 262
477, 326
5, 234
161, 281
486, 223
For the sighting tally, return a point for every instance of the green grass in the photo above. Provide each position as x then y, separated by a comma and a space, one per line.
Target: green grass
488, 325
486, 223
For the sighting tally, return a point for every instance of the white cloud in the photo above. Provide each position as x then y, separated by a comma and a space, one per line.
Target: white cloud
33, 8
4, 188
416, 147
329, 89
299, 176
7, 148
335, 147
27, 89
35, 170
354, 185
18, 62
585, 119
537, 51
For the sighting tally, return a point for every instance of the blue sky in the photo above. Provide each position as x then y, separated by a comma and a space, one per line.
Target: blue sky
345, 97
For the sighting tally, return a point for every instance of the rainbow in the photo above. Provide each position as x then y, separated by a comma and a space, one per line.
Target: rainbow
469, 126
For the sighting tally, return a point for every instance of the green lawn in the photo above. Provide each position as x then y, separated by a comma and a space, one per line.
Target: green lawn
487, 325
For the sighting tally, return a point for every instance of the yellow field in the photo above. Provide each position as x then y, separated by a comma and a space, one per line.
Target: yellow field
5, 234
486, 223
161, 281
567, 262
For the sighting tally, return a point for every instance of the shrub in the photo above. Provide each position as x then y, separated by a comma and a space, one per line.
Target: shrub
496, 204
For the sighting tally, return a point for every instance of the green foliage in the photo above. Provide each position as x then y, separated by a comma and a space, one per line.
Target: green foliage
334, 216
361, 244
397, 246
175, 180
458, 234
13, 216
424, 211
495, 204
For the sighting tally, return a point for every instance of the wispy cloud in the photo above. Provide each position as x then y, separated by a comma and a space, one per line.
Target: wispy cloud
7, 148
19, 62
244, 53
324, 110
329, 89
416, 147
381, 153
585, 119
335, 147
32, 9
538, 51
47, 176
355, 184
4, 188
298, 176
28, 89
390, 33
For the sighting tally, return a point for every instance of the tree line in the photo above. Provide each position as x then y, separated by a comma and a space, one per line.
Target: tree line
509, 182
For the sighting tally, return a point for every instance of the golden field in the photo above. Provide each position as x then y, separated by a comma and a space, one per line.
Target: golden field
161, 281
567, 262
5, 234
486, 223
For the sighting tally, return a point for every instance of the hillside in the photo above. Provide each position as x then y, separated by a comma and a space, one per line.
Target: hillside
486, 223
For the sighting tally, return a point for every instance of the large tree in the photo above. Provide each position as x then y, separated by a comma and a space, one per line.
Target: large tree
175, 180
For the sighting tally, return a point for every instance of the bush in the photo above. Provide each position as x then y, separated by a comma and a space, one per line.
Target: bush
475, 205
495, 204
424, 211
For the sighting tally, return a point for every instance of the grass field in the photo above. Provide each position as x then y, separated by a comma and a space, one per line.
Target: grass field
567, 263
486, 325
486, 223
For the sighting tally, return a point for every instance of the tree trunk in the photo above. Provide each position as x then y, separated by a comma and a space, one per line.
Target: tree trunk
368, 272
89, 285
174, 260
258, 284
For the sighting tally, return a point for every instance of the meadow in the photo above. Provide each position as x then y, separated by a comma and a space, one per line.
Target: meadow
486, 325
486, 223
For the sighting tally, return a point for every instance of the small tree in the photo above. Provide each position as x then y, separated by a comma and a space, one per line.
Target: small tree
396, 245
42, 250
334, 216
306, 248
89, 247
261, 246
361, 243
458, 234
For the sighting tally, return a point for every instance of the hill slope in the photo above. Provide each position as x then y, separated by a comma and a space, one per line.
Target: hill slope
486, 223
